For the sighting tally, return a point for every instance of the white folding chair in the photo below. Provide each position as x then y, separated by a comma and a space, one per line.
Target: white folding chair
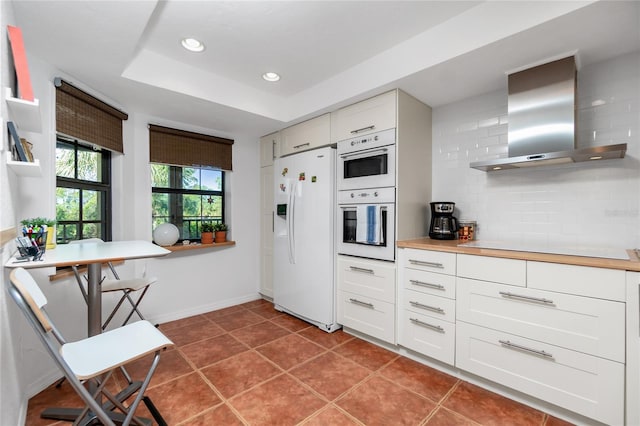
95, 358
126, 286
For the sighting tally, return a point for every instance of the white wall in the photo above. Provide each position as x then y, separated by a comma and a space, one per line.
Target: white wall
189, 283
578, 204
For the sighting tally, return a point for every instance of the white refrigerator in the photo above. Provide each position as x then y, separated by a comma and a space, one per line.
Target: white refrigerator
304, 237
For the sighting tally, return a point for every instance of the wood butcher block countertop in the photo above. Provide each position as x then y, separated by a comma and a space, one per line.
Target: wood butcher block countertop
455, 246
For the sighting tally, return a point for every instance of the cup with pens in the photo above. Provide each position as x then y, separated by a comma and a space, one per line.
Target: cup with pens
32, 244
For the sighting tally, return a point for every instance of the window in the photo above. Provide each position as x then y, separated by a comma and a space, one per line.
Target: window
186, 197
83, 191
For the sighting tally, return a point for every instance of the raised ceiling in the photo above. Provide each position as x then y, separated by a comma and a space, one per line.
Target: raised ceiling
328, 53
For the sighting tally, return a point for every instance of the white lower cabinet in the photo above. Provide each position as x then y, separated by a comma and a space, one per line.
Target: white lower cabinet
564, 334
585, 324
367, 315
633, 348
367, 297
426, 303
589, 385
547, 333
427, 335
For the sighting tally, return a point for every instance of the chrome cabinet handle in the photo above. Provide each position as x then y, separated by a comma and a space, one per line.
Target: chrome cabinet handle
527, 298
427, 325
423, 263
301, 145
353, 132
429, 285
365, 270
273, 149
361, 303
427, 307
514, 346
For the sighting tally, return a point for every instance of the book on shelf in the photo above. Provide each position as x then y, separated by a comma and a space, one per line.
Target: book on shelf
25, 90
19, 153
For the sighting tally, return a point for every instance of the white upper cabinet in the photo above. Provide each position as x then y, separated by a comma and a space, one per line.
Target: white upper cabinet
307, 135
369, 116
269, 149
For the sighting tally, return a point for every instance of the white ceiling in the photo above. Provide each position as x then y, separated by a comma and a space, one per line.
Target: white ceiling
329, 53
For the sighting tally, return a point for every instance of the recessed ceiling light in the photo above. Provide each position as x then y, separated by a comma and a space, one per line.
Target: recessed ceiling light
192, 44
271, 76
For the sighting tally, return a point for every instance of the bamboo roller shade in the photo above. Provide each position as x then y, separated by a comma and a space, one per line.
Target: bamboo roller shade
87, 118
179, 147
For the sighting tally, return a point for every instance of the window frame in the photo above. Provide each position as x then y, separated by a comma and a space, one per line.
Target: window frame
175, 180
103, 188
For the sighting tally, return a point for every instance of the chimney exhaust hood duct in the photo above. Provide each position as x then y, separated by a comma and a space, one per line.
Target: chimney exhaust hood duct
541, 114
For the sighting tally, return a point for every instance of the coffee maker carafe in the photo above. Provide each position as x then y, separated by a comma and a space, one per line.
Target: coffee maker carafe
443, 224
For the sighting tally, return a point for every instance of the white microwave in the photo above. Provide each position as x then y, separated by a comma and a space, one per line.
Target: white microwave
367, 161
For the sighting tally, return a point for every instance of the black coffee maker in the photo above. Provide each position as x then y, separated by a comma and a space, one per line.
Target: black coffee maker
444, 225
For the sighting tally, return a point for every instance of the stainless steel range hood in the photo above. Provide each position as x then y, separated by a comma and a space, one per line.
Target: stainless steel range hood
541, 114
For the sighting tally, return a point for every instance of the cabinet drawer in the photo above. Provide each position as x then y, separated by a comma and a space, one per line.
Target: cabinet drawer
582, 280
588, 385
426, 260
592, 326
496, 269
428, 282
432, 306
307, 135
429, 336
368, 278
368, 316
369, 116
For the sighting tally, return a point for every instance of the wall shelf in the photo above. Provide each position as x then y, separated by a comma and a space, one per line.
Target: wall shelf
26, 114
24, 168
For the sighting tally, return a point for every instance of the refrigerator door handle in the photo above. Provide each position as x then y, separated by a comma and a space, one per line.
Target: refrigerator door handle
291, 223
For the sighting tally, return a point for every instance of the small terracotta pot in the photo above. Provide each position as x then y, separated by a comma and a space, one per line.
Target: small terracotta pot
206, 238
221, 236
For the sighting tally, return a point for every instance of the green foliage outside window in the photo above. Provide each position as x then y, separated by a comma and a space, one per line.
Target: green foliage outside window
186, 197
82, 192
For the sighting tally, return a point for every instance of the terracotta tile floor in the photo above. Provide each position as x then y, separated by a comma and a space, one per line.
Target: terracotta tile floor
250, 364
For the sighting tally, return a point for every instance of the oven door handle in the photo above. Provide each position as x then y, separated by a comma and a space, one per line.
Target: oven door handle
366, 153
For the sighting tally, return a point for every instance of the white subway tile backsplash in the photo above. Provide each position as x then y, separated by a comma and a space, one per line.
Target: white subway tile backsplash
589, 204
493, 121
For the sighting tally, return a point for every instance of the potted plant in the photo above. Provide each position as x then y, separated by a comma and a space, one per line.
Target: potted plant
206, 233
220, 229
42, 229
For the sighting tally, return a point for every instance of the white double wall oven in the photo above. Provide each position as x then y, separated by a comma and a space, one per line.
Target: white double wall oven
366, 196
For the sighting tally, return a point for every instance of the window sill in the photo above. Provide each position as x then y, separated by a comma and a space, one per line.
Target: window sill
199, 246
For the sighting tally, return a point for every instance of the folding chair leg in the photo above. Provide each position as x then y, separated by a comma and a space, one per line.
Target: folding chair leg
154, 411
106, 323
134, 405
135, 305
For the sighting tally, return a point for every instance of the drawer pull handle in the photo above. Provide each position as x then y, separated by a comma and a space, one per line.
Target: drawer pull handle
427, 307
429, 264
361, 303
301, 145
427, 325
365, 270
423, 284
353, 132
528, 298
514, 346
